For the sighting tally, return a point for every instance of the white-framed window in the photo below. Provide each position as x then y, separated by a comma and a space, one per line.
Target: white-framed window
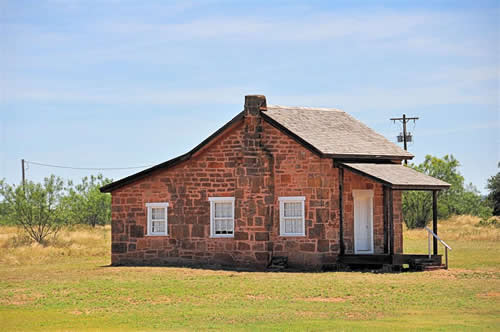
292, 221
157, 219
221, 216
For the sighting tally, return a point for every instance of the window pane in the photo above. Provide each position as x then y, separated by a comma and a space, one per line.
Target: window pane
158, 213
294, 225
292, 209
224, 210
158, 226
223, 226
297, 226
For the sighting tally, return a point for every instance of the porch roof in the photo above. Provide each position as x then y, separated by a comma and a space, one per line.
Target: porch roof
397, 177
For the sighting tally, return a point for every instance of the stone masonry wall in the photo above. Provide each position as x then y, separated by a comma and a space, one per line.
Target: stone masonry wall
255, 163
354, 181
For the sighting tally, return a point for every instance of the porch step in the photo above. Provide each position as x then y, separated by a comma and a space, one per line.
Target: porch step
425, 264
424, 261
434, 267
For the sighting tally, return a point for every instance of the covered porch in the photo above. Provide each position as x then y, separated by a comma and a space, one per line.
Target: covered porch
393, 177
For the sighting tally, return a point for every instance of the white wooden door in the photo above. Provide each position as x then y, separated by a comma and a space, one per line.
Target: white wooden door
363, 221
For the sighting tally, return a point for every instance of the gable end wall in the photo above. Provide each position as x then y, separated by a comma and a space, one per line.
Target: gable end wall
255, 163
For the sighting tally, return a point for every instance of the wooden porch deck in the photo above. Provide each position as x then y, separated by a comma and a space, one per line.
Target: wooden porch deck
416, 261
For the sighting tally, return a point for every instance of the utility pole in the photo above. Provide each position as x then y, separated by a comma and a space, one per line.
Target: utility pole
404, 136
22, 166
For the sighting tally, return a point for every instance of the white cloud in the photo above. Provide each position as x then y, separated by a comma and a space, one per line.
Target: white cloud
469, 127
126, 95
312, 28
129, 37
360, 99
423, 32
393, 98
385, 32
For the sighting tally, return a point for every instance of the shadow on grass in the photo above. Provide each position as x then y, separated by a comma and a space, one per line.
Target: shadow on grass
374, 269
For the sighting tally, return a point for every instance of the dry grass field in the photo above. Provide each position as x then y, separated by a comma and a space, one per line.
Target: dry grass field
68, 285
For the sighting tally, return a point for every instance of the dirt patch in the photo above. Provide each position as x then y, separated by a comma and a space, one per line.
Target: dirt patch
322, 299
258, 297
161, 300
133, 301
18, 299
444, 274
312, 314
77, 312
489, 294
19, 296
476, 274
156, 300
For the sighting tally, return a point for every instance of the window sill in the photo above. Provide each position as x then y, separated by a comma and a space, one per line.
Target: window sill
222, 236
292, 235
154, 235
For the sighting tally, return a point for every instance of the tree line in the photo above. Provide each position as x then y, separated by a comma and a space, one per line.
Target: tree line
41, 209
459, 199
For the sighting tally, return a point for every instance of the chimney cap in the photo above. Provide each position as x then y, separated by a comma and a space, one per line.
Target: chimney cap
254, 103
255, 98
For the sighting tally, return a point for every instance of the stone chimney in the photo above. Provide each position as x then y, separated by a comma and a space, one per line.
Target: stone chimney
253, 104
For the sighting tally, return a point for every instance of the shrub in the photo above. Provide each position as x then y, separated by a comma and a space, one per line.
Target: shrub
86, 204
35, 207
457, 200
491, 222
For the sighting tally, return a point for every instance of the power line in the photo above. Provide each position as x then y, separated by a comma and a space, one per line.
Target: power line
85, 168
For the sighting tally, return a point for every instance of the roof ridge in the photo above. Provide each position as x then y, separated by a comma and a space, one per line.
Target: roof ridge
305, 108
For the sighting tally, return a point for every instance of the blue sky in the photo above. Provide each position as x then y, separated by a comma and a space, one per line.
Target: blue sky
126, 83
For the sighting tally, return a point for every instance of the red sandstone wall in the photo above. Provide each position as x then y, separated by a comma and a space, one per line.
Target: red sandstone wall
256, 163
299, 172
352, 182
186, 187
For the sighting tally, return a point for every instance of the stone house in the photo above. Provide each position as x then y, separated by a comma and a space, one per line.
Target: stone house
312, 186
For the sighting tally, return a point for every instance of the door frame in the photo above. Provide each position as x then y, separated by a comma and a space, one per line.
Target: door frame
365, 193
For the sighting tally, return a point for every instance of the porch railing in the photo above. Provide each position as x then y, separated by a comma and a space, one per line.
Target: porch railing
446, 247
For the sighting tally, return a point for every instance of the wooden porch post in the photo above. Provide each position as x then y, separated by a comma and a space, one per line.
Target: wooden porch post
435, 220
391, 222
341, 210
386, 220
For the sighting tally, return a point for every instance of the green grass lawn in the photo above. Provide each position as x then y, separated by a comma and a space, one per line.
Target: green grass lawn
69, 287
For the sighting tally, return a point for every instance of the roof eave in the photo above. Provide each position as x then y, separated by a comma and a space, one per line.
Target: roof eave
419, 187
394, 186
137, 176
342, 157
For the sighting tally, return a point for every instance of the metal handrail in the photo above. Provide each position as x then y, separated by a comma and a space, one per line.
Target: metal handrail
446, 247
437, 237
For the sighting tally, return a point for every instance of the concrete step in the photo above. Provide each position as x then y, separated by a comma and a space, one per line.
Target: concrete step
434, 267
424, 261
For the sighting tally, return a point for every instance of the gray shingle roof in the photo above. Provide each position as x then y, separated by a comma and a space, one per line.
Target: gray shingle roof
398, 176
334, 132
